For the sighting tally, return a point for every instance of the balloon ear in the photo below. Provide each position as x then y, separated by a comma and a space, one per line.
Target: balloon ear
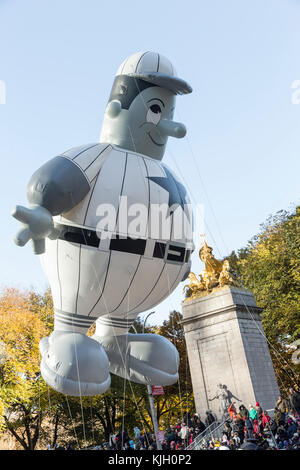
113, 108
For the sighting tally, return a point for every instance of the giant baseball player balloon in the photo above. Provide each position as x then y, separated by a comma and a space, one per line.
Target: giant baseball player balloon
106, 253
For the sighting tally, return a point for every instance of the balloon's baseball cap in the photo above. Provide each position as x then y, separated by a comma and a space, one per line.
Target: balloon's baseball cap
155, 68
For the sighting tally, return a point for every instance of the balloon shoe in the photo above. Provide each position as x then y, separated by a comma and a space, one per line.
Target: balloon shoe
142, 358
74, 364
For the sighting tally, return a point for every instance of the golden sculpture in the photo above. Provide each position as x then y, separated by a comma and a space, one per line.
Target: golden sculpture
215, 274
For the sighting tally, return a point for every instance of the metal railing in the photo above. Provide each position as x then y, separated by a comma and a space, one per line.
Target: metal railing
215, 429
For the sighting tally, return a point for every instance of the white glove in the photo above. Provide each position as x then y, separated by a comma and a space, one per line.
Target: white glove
37, 224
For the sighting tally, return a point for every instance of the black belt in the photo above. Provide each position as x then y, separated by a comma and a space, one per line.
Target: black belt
171, 251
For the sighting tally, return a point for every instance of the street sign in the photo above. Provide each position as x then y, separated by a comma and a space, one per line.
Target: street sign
157, 390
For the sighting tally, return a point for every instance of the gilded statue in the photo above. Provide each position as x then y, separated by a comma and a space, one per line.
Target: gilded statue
215, 274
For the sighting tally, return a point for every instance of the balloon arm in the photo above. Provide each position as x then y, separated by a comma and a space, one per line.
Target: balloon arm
58, 186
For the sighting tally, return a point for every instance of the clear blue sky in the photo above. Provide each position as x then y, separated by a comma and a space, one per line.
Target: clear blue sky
58, 60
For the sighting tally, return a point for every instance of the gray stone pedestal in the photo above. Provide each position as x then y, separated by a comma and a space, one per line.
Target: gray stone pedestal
226, 345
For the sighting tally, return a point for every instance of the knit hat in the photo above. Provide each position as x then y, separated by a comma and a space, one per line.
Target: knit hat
257, 404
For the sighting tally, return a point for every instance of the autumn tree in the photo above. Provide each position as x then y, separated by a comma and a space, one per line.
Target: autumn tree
36, 415
269, 266
23, 394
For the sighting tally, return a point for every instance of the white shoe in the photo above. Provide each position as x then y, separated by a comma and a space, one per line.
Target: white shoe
142, 358
74, 364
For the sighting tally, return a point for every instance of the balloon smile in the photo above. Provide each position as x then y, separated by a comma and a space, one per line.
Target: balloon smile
156, 143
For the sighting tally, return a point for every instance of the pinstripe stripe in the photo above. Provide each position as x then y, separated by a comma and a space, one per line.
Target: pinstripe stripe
136, 67
78, 166
164, 266
103, 150
171, 288
118, 322
133, 277
115, 325
77, 155
72, 320
121, 192
77, 317
125, 62
78, 284
73, 323
58, 276
90, 198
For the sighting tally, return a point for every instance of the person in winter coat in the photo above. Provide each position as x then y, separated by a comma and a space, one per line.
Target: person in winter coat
183, 433
232, 411
257, 429
259, 411
170, 436
292, 429
295, 401
240, 426
118, 440
265, 419
249, 428
227, 430
201, 426
125, 438
252, 413
235, 427
172, 445
273, 426
209, 418
131, 445
243, 412
281, 433
279, 417
282, 405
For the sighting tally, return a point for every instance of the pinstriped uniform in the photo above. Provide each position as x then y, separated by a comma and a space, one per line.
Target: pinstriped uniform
110, 281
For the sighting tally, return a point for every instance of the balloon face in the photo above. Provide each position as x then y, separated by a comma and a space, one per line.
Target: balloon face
137, 126
141, 105
125, 247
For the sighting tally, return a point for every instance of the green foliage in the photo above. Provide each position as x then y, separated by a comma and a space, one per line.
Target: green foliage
269, 266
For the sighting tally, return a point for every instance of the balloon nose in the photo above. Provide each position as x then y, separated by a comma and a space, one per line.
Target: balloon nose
171, 128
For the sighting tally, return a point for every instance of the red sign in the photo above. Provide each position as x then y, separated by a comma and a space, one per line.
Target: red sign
157, 390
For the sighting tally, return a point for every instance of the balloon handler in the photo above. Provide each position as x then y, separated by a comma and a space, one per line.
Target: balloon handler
109, 275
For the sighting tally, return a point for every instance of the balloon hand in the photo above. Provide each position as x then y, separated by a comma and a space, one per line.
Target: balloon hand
37, 224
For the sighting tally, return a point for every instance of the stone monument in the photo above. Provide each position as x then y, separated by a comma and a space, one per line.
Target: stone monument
227, 348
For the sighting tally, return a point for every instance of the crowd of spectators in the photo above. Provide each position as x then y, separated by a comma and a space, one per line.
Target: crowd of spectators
175, 437
254, 429
243, 428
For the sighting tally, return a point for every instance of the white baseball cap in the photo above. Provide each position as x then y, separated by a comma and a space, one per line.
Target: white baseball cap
154, 68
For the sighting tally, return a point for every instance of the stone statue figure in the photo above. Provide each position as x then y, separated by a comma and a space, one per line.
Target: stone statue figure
225, 397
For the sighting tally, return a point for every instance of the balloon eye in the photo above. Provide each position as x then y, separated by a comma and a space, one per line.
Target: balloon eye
155, 108
154, 114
